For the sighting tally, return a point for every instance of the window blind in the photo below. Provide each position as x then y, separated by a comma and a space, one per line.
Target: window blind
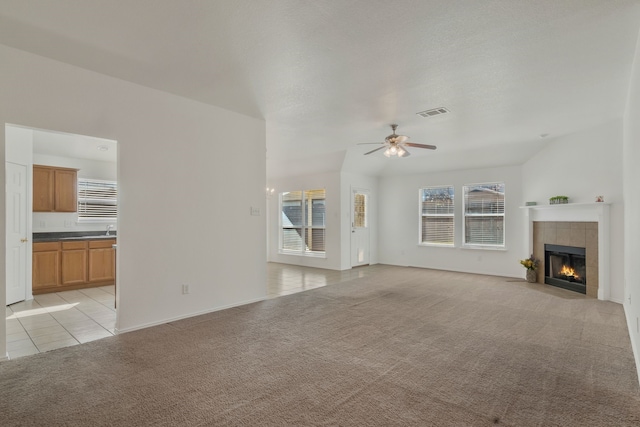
303, 217
484, 214
360, 210
437, 215
97, 199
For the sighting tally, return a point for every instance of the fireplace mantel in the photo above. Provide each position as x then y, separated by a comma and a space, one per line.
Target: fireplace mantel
577, 212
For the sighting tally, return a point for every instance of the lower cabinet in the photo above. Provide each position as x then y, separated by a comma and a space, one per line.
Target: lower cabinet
74, 263
102, 261
66, 265
46, 266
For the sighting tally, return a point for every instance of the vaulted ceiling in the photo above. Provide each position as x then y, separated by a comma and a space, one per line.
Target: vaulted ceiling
327, 74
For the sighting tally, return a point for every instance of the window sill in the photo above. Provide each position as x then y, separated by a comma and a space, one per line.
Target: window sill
484, 248
436, 245
97, 221
304, 254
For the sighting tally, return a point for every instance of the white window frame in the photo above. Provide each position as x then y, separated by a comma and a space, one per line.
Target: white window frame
465, 215
422, 215
99, 198
304, 228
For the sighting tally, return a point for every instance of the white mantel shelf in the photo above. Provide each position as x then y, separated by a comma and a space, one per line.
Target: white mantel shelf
565, 205
579, 212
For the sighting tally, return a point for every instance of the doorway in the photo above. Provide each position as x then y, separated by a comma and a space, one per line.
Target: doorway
55, 317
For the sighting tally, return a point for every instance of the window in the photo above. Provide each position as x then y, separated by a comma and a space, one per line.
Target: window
97, 199
436, 215
359, 210
303, 222
484, 214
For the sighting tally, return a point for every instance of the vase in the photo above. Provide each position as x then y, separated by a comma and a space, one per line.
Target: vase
532, 277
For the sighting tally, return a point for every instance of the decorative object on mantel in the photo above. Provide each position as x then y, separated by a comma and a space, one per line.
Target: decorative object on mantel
558, 200
531, 264
530, 203
599, 199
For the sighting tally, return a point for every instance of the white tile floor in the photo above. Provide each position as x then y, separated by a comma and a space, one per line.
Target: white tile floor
285, 279
60, 319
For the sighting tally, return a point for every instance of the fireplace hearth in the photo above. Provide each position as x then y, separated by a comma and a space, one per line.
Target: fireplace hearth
566, 267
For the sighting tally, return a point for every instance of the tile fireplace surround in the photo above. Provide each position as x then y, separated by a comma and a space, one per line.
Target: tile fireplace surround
583, 225
565, 233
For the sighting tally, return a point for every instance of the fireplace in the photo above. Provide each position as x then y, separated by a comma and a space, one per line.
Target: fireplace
565, 267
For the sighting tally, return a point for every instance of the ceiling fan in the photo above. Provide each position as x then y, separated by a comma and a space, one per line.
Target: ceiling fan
396, 145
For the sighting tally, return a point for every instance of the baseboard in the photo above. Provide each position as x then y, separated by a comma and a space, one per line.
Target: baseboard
186, 316
5, 357
634, 344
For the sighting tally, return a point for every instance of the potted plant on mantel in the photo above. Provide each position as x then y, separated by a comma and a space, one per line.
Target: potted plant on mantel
558, 200
531, 264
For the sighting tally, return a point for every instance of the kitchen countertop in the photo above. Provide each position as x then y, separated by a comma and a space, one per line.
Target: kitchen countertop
72, 235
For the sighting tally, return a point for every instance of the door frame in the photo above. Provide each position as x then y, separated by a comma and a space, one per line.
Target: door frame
27, 264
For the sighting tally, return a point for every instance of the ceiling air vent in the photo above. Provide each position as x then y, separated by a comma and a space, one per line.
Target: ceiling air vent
433, 112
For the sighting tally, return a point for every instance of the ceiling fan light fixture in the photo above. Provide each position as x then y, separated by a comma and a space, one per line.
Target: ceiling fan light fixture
394, 145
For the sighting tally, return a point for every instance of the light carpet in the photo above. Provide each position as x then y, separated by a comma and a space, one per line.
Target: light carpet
406, 347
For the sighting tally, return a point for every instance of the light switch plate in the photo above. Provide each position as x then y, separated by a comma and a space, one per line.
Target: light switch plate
255, 211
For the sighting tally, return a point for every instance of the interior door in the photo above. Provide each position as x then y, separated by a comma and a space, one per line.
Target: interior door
359, 227
16, 226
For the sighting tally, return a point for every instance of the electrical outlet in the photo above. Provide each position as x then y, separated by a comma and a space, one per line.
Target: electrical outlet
43, 224
185, 289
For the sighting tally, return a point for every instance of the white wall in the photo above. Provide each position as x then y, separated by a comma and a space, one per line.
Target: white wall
582, 166
399, 216
631, 179
44, 222
184, 207
330, 182
348, 182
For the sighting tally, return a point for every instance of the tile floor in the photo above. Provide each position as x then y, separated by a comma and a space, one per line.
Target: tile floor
62, 319
284, 279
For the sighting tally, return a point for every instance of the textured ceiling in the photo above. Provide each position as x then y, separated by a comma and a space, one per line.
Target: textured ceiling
327, 74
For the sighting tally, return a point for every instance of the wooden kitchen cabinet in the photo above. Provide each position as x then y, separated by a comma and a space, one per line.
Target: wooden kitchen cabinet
46, 266
75, 264
73, 270
55, 189
102, 259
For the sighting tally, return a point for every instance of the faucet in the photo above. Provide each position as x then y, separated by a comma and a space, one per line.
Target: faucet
109, 228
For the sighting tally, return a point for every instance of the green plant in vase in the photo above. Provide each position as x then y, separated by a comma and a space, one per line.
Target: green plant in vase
531, 264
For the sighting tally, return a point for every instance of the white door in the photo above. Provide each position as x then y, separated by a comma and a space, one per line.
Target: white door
16, 224
359, 227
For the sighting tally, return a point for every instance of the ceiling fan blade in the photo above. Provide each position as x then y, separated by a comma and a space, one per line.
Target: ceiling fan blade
413, 144
368, 143
401, 138
377, 149
405, 154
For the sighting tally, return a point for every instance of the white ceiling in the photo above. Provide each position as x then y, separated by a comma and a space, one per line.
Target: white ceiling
327, 74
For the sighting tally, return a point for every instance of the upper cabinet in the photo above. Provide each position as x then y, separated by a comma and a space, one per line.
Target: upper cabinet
55, 189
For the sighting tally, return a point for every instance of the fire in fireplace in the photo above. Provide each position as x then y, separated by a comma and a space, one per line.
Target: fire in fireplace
565, 267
